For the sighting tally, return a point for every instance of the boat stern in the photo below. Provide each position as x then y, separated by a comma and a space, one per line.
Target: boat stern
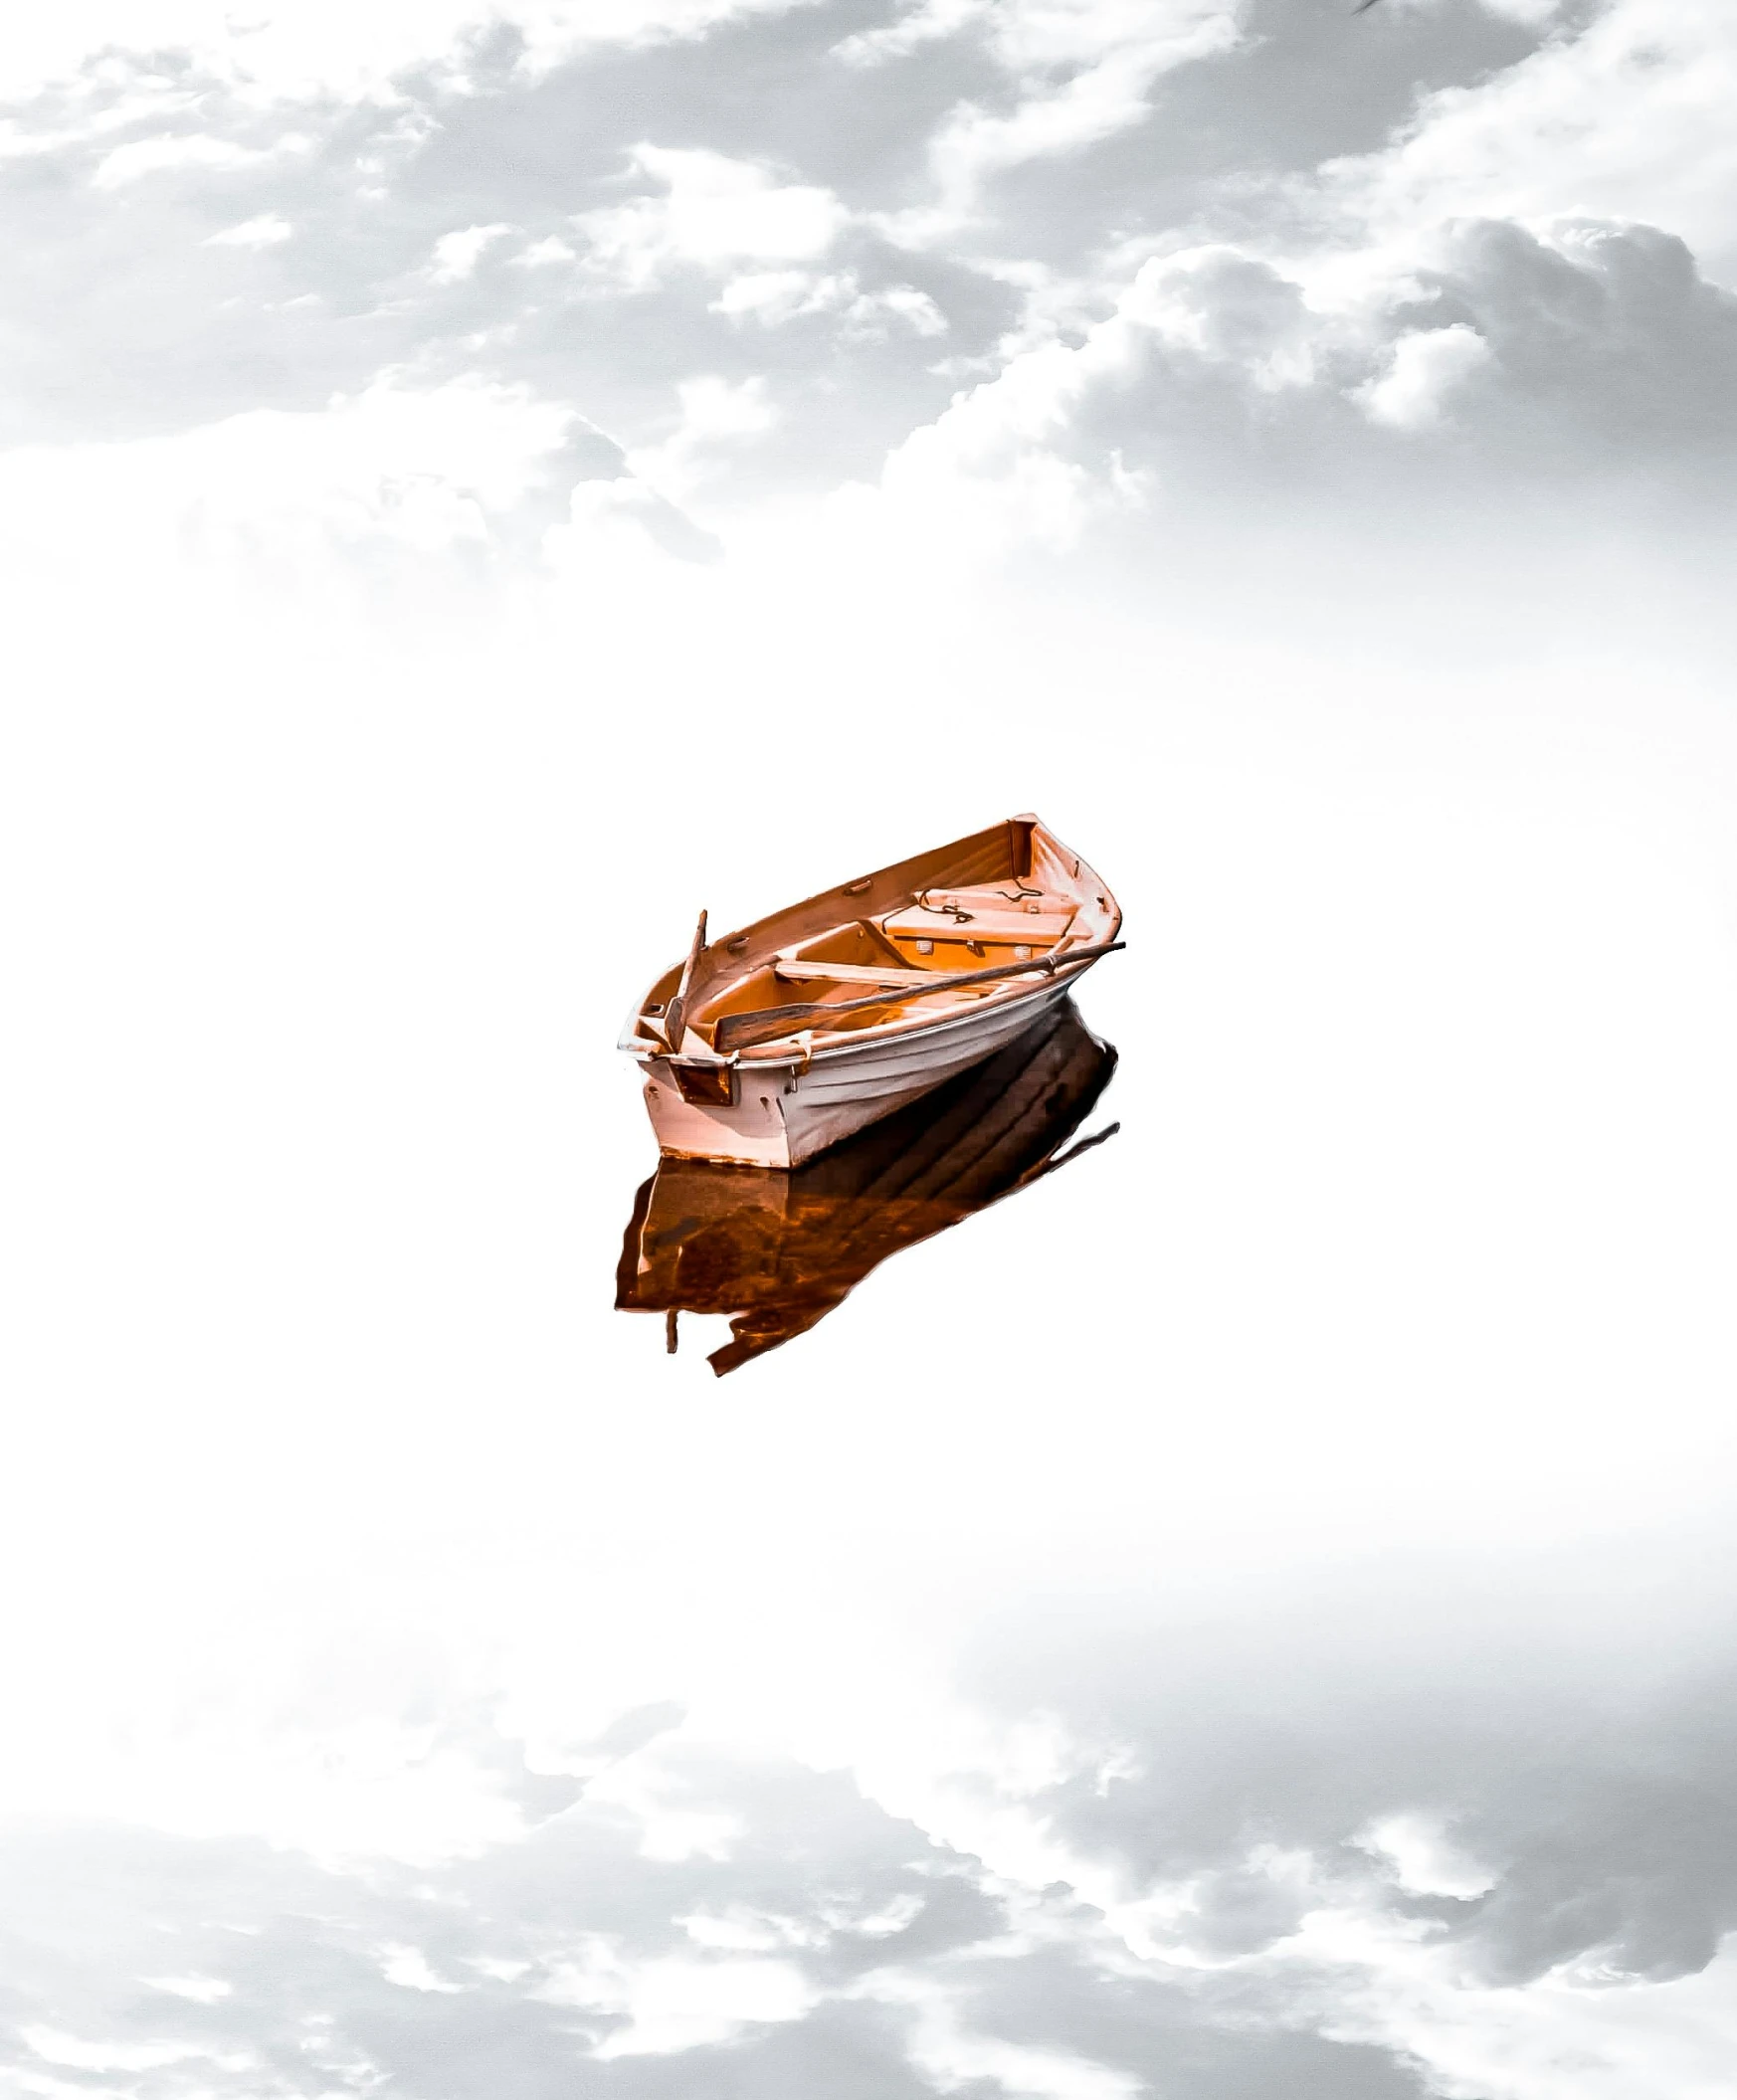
705, 1111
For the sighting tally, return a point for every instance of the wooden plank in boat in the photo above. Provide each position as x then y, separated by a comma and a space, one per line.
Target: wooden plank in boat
996, 897
1029, 929
797, 972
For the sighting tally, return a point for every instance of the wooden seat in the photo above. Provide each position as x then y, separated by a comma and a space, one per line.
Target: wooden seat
1031, 930
1005, 896
797, 972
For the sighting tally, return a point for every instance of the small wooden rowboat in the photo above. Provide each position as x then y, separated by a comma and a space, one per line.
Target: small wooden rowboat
776, 1252
774, 1043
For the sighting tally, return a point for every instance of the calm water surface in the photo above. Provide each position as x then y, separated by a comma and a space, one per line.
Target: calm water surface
777, 1252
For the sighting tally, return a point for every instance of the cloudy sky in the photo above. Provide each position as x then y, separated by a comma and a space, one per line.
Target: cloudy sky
1247, 1619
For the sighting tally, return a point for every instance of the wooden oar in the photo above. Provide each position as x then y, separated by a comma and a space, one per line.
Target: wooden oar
676, 1015
734, 1031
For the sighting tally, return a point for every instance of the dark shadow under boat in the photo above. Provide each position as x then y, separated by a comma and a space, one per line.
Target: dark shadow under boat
778, 1251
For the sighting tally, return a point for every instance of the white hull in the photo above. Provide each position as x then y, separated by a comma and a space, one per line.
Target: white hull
788, 1109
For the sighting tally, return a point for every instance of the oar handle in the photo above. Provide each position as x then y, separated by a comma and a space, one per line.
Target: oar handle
675, 1014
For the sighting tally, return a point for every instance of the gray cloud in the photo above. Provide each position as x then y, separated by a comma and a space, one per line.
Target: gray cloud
1495, 409
1578, 1785
1602, 351
209, 1964
130, 310
1587, 1781
184, 251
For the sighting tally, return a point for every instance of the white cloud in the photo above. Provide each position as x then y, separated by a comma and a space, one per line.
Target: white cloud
1422, 371
409, 1968
544, 253
675, 2002
77, 2054
1220, 306
716, 416
420, 471
944, 2046
266, 231
1627, 119
557, 30
170, 149
456, 254
201, 1990
1032, 37
1108, 94
712, 212
105, 107
929, 22
624, 525
1425, 1858
914, 308
1385, 1984
740, 1930
1078, 71
883, 1923
774, 296
352, 48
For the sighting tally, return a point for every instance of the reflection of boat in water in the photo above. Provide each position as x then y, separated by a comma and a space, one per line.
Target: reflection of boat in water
777, 1251
776, 1042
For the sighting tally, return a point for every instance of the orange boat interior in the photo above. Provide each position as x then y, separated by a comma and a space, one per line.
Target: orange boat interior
1006, 896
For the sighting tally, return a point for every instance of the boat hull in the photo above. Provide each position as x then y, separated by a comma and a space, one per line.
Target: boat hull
787, 1111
